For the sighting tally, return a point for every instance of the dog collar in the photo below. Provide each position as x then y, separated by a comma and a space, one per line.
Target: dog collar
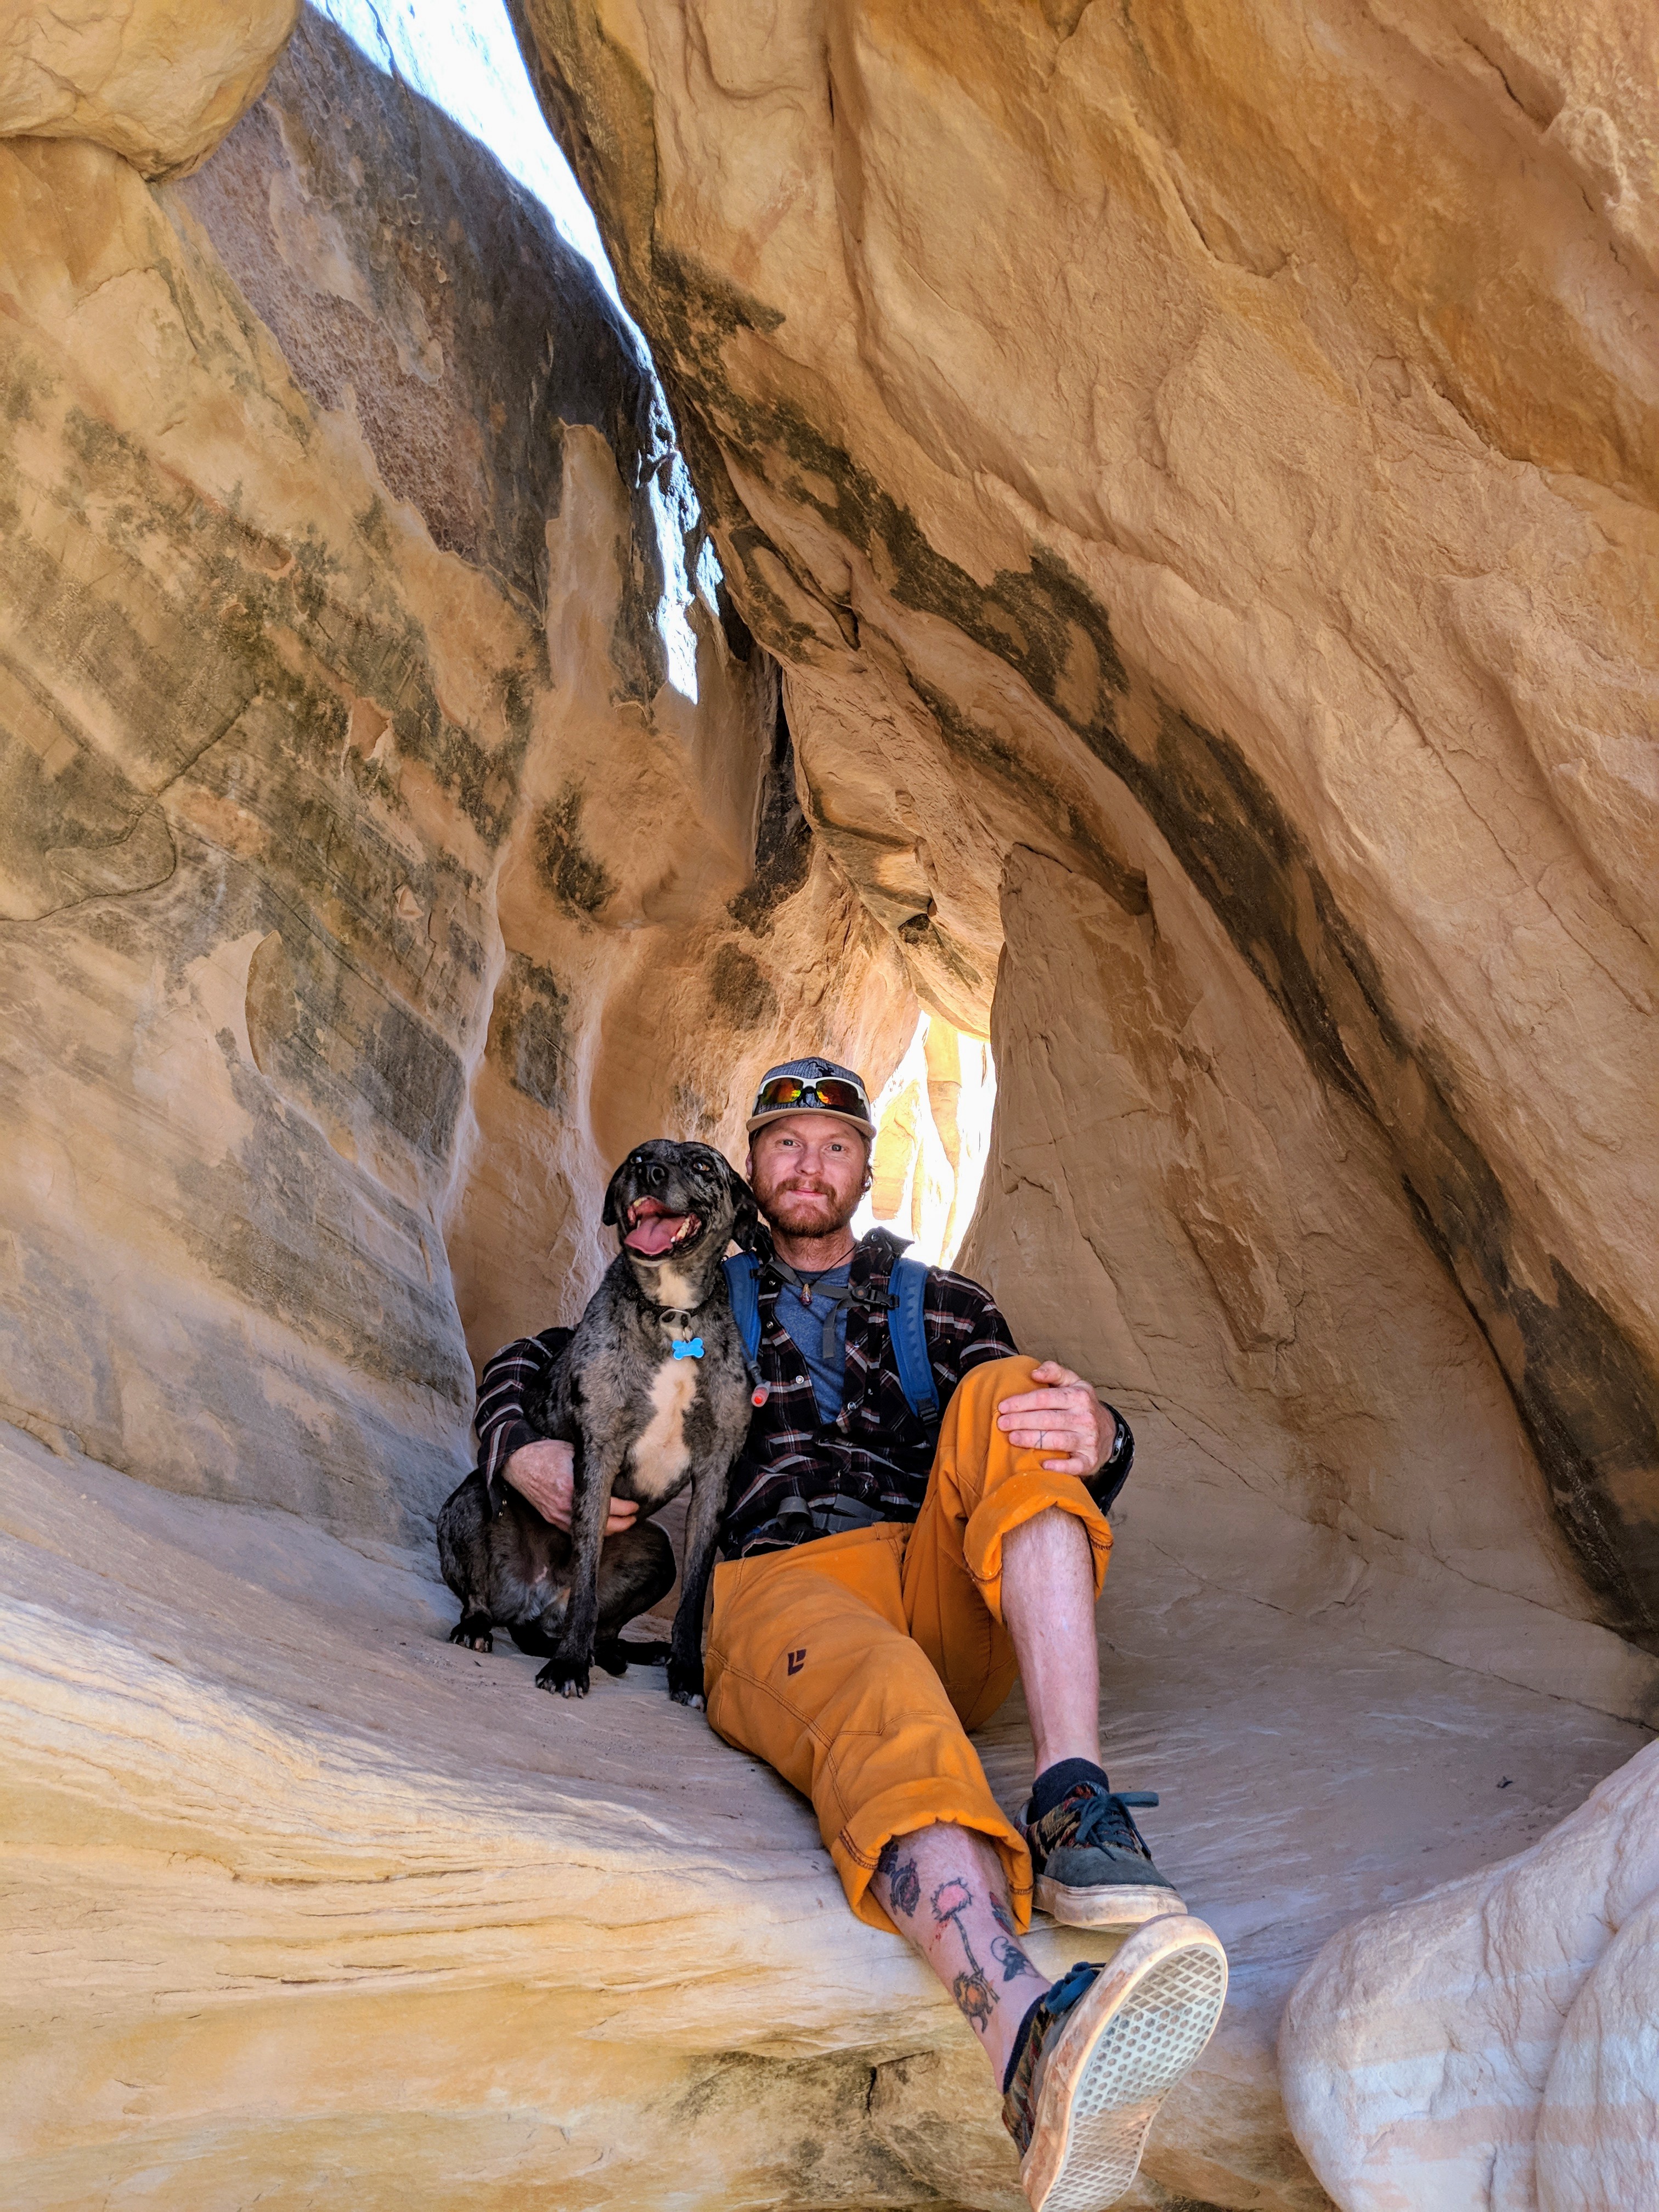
687, 1347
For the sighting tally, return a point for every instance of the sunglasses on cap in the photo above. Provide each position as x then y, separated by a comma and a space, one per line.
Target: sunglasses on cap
833, 1093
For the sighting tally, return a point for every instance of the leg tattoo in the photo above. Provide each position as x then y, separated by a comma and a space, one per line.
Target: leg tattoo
1006, 1948
973, 1992
904, 1882
1012, 1959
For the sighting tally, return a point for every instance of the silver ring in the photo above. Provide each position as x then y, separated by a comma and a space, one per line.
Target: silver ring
1042, 1439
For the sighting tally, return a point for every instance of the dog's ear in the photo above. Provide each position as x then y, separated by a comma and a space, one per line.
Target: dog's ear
749, 1232
608, 1219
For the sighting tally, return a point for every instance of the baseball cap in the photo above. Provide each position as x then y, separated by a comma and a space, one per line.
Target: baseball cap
812, 1086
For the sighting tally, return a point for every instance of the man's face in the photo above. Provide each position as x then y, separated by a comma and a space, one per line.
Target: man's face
806, 1171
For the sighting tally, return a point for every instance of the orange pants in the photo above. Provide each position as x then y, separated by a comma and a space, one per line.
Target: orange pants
856, 1664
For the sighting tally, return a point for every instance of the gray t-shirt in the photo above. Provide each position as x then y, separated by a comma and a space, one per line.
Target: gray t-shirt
805, 1324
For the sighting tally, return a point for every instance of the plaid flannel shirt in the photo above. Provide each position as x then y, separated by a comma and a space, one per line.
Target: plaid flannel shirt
875, 1451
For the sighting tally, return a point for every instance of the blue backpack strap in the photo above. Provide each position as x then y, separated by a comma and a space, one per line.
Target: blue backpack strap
908, 1286
743, 1288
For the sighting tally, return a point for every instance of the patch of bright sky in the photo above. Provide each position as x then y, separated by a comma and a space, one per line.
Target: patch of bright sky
463, 56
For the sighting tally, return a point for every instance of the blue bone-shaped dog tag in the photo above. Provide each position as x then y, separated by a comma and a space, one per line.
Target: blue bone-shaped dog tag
687, 1347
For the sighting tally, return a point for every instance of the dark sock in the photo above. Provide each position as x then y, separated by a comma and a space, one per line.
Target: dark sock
1020, 2040
1052, 1784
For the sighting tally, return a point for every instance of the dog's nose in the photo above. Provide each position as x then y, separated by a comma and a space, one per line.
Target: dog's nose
656, 1175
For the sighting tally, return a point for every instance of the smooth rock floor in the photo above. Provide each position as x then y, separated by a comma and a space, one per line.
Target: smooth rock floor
307, 1906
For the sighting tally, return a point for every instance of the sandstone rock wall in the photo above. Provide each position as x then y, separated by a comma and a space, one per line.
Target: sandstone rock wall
235, 1069
1492, 2045
329, 595
1179, 1205
1223, 434
160, 81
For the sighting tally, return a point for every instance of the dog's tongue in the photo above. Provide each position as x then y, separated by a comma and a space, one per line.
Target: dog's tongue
654, 1233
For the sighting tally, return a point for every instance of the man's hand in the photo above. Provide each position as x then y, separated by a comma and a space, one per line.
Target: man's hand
1064, 1417
543, 1473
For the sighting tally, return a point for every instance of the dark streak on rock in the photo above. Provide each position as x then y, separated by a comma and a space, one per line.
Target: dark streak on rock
739, 988
783, 837
579, 881
987, 751
480, 335
739, 638
529, 1031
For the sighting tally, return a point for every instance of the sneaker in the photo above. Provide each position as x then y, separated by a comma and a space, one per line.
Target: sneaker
1103, 2050
1092, 1867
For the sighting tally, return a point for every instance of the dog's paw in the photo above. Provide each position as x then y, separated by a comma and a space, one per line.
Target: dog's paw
686, 1684
692, 1697
473, 1634
563, 1676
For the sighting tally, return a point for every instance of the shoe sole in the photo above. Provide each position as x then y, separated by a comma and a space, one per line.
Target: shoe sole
1122, 2049
1098, 1907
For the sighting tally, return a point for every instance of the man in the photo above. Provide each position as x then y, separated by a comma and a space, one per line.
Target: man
880, 1588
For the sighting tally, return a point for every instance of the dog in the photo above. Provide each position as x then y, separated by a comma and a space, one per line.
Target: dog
654, 1391
511, 1569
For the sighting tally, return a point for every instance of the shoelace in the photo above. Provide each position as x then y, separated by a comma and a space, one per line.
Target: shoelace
1103, 1824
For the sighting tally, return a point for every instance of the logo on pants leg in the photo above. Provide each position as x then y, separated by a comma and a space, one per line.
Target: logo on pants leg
797, 1660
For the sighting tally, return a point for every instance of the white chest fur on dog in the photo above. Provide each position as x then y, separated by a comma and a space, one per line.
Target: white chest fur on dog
660, 1456
676, 1291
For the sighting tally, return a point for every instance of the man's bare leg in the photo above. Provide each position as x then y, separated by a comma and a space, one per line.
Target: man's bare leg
1079, 2119
1080, 2113
944, 1889
1091, 1867
1048, 1609
943, 1886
